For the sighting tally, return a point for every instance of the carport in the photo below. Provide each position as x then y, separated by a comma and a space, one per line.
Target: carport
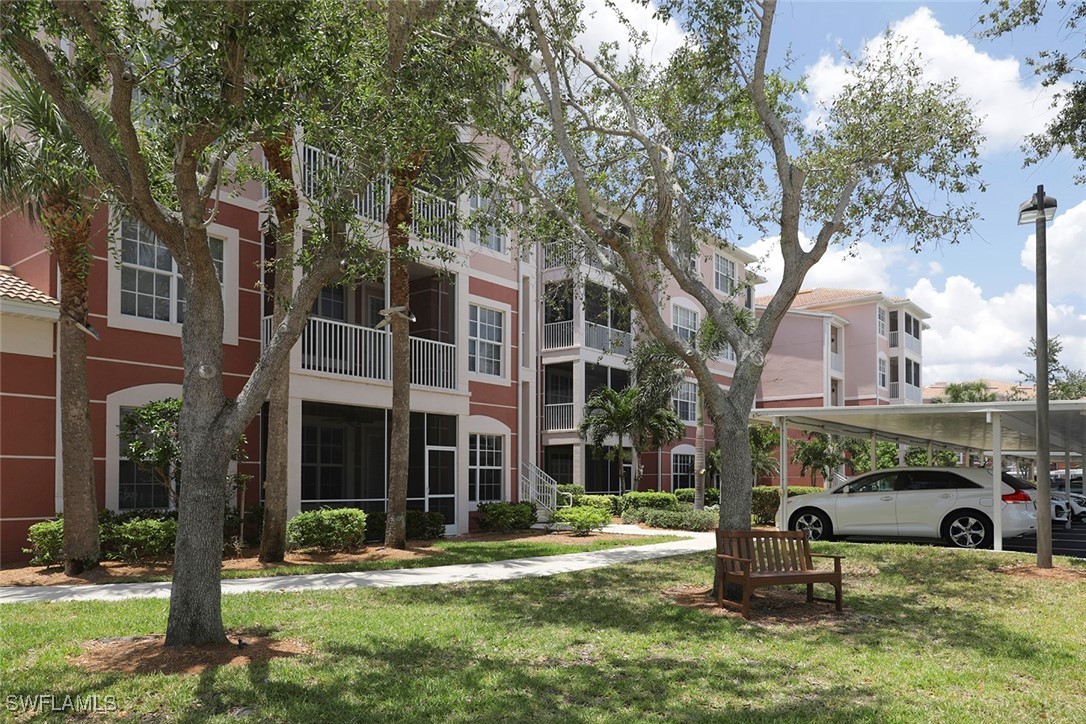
1003, 428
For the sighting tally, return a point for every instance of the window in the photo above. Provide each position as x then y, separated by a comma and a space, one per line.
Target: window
685, 323
137, 488
871, 484
323, 463
724, 274
151, 285
684, 258
912, 372
682, 471
485, 328
882, 321
331, 304
686, 401
882, 372
480, 232
933, 480
485, 468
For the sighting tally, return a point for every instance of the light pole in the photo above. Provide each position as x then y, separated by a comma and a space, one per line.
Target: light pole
1040, 209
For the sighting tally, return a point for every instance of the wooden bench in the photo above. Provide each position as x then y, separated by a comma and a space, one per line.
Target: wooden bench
757, 558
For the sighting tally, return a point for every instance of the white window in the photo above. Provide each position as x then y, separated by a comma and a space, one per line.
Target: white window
137, 488
882, 321
686, 401
331, 303
685, 323
882, 372
727, 354
151, 285
724, 274
684, 259
485, 335
682, 471
485, 468
481, 232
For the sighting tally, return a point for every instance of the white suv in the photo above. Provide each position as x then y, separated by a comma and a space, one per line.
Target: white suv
954, 504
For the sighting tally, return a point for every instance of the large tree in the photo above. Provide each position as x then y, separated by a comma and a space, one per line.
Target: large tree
714, 142
188, 86
973, 391
46, 173
1064, 383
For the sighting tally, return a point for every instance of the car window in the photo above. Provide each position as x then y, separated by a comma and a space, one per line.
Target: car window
933, 480
1017, 483
871, 484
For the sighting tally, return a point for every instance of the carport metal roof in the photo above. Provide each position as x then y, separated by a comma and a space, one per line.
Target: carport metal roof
964, 426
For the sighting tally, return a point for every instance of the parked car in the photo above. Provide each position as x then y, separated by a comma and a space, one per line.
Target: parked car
952, 504
1077, 500
1057, 502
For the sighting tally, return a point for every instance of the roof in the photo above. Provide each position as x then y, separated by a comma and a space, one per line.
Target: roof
821, 297
15, 289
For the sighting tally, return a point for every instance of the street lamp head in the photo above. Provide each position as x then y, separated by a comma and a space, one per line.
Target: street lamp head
1028, 213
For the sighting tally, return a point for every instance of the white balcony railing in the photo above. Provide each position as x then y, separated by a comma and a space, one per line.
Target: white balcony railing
837, 362
895, 390
913, 393
351, 350
895, 339
432, 217
605, 339
558, 417
912, 343
558, 335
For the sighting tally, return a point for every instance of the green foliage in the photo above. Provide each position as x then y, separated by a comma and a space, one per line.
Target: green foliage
764, 442
150, 440
659, 501
584, 519
974, 391
1064, 383
46, 541
819, 454
685, 519
506, 517
421, 525
686, 495
610, 503
571, 488
767, 498
328, 529
140, 538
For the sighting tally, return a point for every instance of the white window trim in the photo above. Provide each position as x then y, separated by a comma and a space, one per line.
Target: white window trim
474, 243
734, 286
677, 399
503, 466
506, 346
693, 472
882, 321
485, 425
878, 372
230, 286
686, 308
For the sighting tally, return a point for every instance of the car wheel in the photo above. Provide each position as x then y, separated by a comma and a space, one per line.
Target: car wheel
816, 524
967, 529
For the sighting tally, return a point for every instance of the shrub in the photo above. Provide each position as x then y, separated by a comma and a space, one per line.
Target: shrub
658, 501
673, 519
328, 529
144, 538
46, 541
610, 503
583, 518
766, 499
506, 517
570, 488
686, 495
420, 525
117, 545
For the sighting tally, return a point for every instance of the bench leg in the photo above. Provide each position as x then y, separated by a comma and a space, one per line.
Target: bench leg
837, 599
720, 584
810, 593
746, 599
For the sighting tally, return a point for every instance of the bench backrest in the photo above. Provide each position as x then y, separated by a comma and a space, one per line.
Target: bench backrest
768, 550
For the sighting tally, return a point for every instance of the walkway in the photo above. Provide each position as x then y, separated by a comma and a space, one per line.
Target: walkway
464, 573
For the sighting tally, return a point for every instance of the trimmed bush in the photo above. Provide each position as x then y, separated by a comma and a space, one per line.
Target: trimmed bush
689, 519
570, 488
657, 501
506, 517
328, 529
610, 503
686, 495
46, 541
583, 518
766, 499
420, 525
144, 538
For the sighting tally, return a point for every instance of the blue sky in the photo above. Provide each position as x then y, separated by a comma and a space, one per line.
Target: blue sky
980, 293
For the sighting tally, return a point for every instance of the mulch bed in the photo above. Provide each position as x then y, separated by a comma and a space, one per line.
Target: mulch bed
149, 655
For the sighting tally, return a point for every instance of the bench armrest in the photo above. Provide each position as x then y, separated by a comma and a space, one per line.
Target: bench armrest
836, 560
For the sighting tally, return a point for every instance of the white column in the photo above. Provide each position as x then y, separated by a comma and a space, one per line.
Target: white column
1067, 481
874, 454
783, 525
294, 456
997, 480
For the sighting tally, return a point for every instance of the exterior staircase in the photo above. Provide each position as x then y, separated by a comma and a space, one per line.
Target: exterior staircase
542, 490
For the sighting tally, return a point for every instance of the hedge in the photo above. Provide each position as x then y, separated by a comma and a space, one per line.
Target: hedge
658, 501
328, 529
421, 525
686, 495
673, 519
141, 538
766, 499
506, 517
583, 518
46, 541
611, 503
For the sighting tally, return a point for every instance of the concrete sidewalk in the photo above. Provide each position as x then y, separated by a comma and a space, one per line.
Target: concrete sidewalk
466, 573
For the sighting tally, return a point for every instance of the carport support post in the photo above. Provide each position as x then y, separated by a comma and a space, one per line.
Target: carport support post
784, 473
1067, 481
997, 481
874, 453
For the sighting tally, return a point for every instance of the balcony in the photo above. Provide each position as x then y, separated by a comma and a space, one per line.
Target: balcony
351, 350
837, 362
912, 393
606, 339
911, 343
558, 417
432, 217
558, 335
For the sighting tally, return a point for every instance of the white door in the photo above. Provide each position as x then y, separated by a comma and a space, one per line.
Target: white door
441, 484
866, 506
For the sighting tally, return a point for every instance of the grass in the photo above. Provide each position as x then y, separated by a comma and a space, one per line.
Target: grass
929, 634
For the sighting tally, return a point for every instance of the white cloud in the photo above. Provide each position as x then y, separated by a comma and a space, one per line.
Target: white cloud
602, 25
1005, 93
866, 266
1066, 254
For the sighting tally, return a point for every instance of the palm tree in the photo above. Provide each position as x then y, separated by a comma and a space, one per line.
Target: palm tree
975, 391
626, 415
45, 173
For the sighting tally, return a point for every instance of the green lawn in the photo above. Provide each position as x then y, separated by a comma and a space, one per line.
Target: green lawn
928, 634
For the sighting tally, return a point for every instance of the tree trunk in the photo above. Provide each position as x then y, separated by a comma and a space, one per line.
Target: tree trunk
69, 232
399, 221
273, 537
699, 457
